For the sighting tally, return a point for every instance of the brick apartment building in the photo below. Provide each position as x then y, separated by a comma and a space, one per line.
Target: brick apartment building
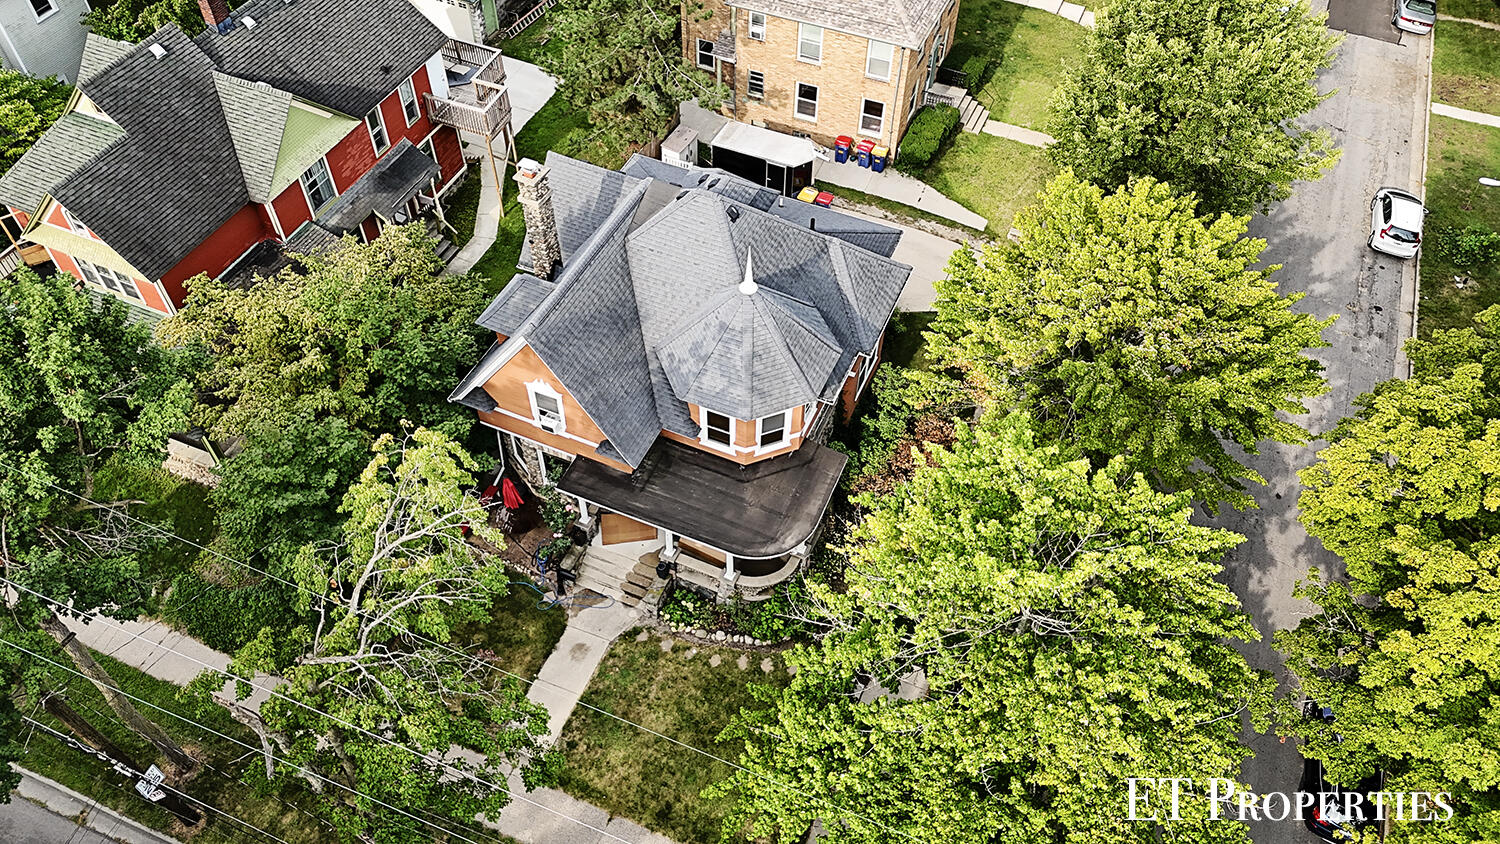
820, 68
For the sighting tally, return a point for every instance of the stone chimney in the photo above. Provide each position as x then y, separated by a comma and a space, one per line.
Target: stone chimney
216, 15
535, 196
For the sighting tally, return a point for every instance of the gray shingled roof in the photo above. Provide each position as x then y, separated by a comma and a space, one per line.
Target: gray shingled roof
906, 23
515, 303
752, 354
72, 142
346, 55
384, 189
583, 197
174, 178
649, 310
866, 234
98, 54
256, 115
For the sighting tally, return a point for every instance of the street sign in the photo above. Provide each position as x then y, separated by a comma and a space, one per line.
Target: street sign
149, 782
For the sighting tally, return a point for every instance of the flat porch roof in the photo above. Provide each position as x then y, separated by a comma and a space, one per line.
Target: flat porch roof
764, 509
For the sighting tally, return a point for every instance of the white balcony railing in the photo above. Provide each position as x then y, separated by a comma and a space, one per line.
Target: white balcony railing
477, 100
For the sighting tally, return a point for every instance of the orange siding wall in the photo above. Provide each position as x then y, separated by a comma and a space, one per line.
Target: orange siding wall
508, 388
744, 437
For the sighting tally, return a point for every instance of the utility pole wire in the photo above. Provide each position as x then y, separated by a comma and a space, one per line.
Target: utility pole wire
377, 801
450, 649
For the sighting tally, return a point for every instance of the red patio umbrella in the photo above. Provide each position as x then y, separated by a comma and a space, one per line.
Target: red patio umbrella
509, 495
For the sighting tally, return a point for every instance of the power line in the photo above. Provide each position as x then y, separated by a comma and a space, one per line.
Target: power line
297, 767
276, 693
476, 660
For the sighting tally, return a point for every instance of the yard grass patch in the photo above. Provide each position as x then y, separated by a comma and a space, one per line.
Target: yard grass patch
1028, 47
520, 634
631, 773
993, 177
179, 506
1466, 66
463, 208
1458, 154
1474, 10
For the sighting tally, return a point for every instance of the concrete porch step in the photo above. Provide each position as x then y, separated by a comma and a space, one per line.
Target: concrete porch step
973, 114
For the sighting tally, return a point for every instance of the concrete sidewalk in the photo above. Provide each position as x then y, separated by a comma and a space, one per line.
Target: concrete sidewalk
897, 187
1465, 114
42, 811
1063, 9
1020, 134
530, 88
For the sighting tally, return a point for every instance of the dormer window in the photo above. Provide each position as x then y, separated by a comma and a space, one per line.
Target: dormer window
546, 407
718, 429
770, 431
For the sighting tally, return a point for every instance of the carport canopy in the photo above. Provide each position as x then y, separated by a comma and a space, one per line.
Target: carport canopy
775, 147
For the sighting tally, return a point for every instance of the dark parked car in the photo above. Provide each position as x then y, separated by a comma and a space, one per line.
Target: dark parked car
1327, 818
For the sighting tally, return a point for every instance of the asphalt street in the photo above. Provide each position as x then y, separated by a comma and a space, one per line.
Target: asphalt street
1377, 116
24, 822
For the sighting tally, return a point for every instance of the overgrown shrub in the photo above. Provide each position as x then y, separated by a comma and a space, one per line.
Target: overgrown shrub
226, 617
771, 620
977, 70
927, 137
1470, 246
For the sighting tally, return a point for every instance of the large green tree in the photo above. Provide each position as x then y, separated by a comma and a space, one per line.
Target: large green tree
1130, 326
1052, 629
79, 384
134, 21
1406, 649
307, 368
1205, 94
374, 690
622, 60
28, 106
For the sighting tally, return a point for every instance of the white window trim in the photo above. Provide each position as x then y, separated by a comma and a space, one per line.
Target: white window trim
74, 224
802, 28
750, 27
890, 60
542, 388
123, 281
879, 131
379, 118
797, 100
703, 432
47, 14
762, 94
331, 184
407, 86
698, 54
786, 432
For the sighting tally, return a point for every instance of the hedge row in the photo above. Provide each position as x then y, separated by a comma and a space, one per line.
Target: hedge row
929, 133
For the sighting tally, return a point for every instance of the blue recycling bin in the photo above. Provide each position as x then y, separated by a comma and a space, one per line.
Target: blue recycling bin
878, 157
841, 148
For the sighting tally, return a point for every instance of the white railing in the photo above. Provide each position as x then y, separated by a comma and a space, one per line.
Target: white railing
481, 104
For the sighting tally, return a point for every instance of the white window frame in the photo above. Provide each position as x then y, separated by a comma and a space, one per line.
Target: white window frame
803, 38
321, 163
754, 26
863, 114
378, 123
543, 389
698, 56
890, 60
74, 225
41, 16
704, 429
428, 147
410, 108
797, 103
108, 279
760, 429
750, 85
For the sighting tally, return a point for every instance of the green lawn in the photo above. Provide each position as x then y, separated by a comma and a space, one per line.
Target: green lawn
179, 506
993, 177
1466, 66
631, 773
222, 782
1458, 153
463, 205
1028, 46
1474, 10
520, 633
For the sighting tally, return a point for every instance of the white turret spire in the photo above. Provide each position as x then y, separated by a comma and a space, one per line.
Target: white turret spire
748, 286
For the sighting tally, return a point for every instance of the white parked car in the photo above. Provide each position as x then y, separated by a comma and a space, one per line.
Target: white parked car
1415, 15
1396, 222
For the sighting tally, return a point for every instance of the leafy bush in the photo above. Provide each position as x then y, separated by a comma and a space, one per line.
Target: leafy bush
1470, 246
927, 137
977, 70
226, 617
769, 620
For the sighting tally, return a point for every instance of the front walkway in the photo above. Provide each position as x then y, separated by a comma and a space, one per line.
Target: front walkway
1020, 134
530, 88
897, 187
551, 817
1063, 9
1465, 114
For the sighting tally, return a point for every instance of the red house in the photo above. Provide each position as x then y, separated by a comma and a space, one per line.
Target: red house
285, 123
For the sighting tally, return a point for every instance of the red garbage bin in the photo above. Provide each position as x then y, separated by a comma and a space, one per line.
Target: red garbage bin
841, 148
824, 199
863, 150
